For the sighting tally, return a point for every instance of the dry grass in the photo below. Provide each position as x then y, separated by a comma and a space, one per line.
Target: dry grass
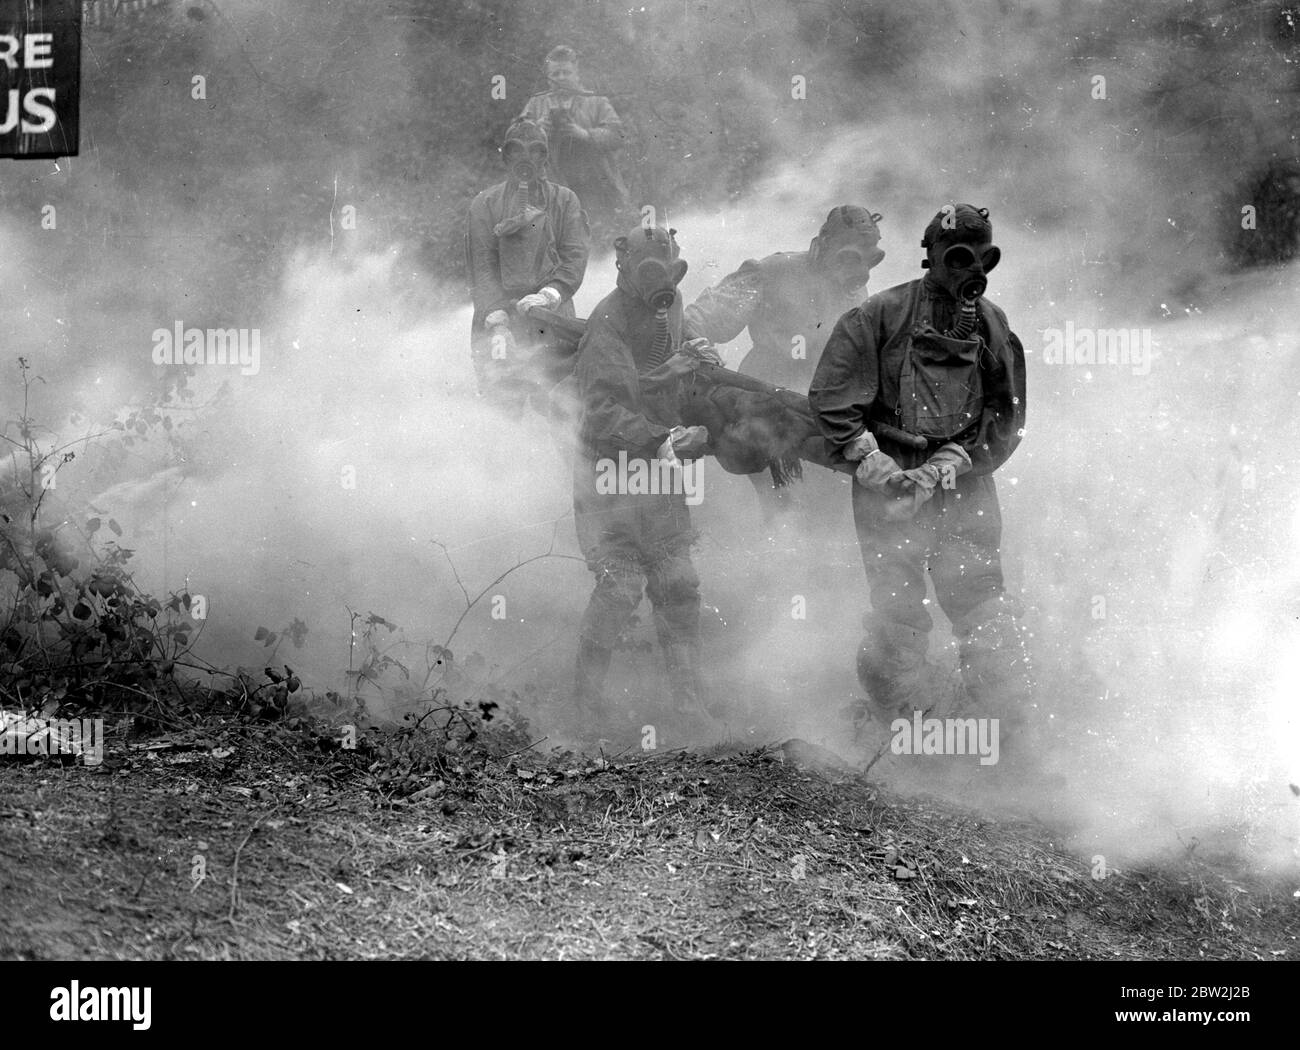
758, 854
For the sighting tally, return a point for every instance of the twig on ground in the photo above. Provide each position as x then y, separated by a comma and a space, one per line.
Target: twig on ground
526, 747
234, 870
876, 758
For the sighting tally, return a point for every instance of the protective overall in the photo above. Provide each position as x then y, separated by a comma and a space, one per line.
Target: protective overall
635, 541
949, 371
789, 302
526, 241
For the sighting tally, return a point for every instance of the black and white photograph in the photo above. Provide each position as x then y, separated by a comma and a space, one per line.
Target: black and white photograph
681, 480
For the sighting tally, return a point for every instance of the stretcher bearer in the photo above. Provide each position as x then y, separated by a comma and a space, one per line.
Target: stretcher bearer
636, 541
789, 302
937, 361
526, 244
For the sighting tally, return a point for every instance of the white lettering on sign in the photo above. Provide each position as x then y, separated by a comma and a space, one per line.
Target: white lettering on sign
37, 50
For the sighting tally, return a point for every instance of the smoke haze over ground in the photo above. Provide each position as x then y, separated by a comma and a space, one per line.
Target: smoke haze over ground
1152, 518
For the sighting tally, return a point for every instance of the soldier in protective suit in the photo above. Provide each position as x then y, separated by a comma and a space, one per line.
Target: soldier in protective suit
526, 244
935, 360
635, 541
790, 301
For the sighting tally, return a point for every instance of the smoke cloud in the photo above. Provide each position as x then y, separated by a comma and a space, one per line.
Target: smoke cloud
1152, 520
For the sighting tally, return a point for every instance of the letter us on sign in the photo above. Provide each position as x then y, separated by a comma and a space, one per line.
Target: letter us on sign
40, 77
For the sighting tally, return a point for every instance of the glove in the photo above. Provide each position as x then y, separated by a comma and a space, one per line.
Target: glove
941, 469
952, 462
497, 319
702, 350
547, 298
879, 473
861, 447
684, 443
503, 345
689, 442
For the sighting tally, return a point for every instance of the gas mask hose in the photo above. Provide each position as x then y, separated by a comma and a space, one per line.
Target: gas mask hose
966, 319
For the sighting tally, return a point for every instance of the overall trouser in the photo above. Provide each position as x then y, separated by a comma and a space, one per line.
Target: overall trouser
635, 544
956, 536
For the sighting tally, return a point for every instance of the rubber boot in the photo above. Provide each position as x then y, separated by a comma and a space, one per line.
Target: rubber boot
995, 668
588, 691
682, 659
896, 675
997, 678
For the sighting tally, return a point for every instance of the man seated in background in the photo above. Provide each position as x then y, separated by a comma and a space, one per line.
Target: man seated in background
526, 243
586, 135
790, 301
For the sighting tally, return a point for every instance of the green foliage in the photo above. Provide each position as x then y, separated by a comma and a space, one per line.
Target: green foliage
452, 704
74, 627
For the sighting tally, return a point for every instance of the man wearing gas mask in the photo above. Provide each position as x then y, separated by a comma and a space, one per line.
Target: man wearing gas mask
789, 301
937, 361
526, 244
635, 541
586, 135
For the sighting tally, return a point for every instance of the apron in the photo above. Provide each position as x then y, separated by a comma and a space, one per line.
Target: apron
940, 389
523, 242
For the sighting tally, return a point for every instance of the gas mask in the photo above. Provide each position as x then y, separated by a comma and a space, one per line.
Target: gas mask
962, 268
647, 260
524, 151
524, 165
845, 248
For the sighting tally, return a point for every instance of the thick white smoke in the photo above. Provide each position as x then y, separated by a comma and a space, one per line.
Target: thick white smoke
1152, 520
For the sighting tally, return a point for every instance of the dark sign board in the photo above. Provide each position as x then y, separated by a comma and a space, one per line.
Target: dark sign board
40, 77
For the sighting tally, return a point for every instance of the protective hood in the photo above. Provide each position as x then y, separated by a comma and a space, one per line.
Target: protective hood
647, 260
960, 250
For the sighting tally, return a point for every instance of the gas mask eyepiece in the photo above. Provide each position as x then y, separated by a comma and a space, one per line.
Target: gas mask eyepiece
850, 267
963, 257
